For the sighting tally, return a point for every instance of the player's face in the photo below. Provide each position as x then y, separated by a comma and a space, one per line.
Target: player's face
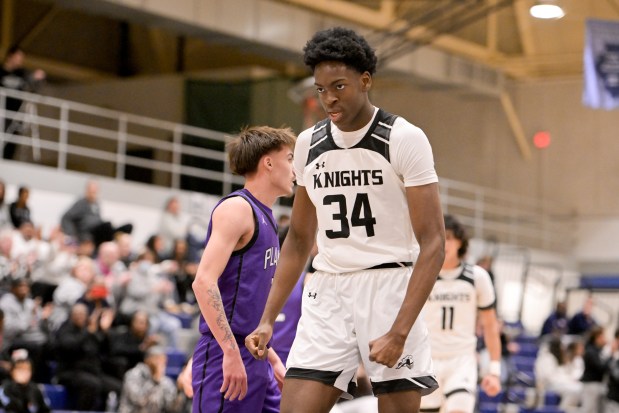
452, 245
282, 174
343, 94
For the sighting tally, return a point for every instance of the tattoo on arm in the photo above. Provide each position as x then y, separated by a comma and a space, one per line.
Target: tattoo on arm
214, 300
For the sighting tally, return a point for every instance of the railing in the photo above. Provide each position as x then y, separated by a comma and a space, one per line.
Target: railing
499, 216
71, 135
74, 136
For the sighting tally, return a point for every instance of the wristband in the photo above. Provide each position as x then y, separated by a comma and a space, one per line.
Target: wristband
495, 368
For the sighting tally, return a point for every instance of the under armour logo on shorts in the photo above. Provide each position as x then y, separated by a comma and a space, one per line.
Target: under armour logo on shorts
309, 294
406, 362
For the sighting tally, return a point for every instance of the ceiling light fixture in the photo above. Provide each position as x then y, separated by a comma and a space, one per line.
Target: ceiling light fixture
546, 10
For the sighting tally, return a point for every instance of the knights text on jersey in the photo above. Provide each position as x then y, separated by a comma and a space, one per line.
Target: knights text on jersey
451, 309
359, 190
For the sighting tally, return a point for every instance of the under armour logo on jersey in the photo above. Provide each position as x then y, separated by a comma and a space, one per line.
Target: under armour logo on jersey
406, 362
309, 294
264, 222
320, 165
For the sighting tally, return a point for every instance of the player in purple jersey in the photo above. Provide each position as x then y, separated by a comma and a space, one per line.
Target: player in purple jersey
235, 274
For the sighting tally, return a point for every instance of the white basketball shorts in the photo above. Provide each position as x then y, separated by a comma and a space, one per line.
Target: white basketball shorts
341, 314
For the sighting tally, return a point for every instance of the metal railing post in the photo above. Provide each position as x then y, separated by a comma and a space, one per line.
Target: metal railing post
63, 136
121, 151
177, 149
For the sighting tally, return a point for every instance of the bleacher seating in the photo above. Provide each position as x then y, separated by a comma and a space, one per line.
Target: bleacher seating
55, 395
176, 362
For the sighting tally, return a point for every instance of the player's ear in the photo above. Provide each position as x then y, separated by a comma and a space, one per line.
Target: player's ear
267, 161
366, 81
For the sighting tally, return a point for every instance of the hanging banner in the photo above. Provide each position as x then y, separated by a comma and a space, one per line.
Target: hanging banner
601, 65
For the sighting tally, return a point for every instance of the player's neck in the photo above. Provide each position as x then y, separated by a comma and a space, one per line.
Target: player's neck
451, 264
262, 191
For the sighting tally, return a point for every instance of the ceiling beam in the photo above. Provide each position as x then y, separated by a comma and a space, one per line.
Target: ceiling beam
516, 126
525, 28
64, 70
377, 19
7, 25
40, 25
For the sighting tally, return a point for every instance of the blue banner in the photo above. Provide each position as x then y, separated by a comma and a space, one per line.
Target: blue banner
601, 65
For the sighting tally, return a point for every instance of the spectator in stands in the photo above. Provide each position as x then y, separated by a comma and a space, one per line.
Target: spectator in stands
113, 271
582, 322
96, 297
597, 360
81, 344
612, 402
72, 289
283, 221
128, 345
147, 389
14, 76
557, 321
9, 268
5, 359
574, 362
125, 248
171, 227
149, 290
5, 219
27, 246
56, 265
183, 276
154, 245
20, 393
25, 324
19, 210
83, 219
552, 374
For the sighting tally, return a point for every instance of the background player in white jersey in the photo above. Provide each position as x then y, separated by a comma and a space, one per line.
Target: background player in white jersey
461, 293
365, 179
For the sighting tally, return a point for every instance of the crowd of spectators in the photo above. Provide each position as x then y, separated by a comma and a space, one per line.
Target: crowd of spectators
85, 309
577, 361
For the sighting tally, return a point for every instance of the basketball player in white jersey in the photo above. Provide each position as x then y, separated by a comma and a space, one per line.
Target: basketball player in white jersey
461, 294
368, 191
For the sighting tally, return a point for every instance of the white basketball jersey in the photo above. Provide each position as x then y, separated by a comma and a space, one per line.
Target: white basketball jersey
451, 309
360, 197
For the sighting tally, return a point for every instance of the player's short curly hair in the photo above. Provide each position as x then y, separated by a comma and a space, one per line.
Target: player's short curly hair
453, 225
340, 45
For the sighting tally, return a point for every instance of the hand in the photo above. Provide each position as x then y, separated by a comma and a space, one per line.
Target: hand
279, 371
387, 350
235, 378
184, 379
39, 75
107, 318
93, 321
47, 310
491, 385
257, 341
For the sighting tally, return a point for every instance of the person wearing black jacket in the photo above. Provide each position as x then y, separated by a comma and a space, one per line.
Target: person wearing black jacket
597, 363
80, 344
20, 393
612, 404
14, 76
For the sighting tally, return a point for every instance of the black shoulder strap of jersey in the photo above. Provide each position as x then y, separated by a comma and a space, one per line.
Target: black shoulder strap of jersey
467, 274
377, 137
321, 142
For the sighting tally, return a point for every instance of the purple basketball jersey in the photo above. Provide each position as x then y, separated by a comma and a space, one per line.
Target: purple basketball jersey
245, 283
244, 286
